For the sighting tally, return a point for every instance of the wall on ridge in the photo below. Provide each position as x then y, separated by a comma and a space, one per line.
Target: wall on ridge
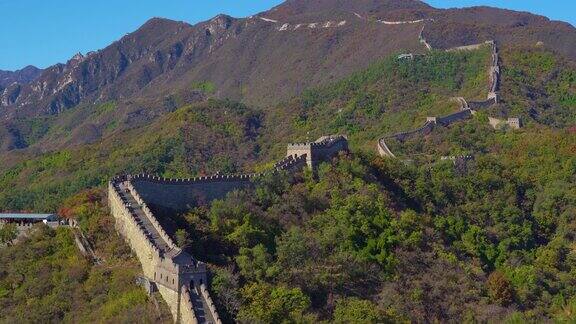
424, 130
383, 149
322, 150
182, 194
467, 47
477, 105
152, 263
326, 152
458, 116
172, 298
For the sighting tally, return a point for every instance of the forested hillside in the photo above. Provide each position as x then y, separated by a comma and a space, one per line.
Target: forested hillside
45, 279
370, 239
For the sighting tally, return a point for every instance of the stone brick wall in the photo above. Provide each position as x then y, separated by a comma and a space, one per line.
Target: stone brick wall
146, 252
479, 105
452, 118
321, 150
170, 278
182, 194
210, 303
186, 308
172, 298
467, 108
383, 149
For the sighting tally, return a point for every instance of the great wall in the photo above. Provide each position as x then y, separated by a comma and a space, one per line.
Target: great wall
179, 277
466, 108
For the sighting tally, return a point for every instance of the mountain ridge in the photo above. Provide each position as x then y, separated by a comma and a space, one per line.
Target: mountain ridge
263, 59
23, 76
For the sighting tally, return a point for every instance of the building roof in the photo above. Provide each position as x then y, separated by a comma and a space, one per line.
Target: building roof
28, 216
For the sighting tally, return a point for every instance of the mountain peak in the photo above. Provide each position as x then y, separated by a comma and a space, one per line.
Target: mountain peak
24, 75
297, 7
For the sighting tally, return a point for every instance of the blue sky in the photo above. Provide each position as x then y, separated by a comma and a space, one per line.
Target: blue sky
45, 32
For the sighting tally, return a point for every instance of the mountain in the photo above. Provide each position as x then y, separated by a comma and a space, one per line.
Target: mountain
23, 76
15, 80
261, 61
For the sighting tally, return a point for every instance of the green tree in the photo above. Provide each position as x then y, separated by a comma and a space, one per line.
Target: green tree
8, 233
254, 263
182, 238
267, 304
355, 310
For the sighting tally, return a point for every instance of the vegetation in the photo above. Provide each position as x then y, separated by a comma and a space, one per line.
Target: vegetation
366, 239
8, 233
44, 278
374, 237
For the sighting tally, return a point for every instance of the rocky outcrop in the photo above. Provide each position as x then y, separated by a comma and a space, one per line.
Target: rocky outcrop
23, 76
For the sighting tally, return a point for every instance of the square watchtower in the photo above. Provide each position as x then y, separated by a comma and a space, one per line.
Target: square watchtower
322, 149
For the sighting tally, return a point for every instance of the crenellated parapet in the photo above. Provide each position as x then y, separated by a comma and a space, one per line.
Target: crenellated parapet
117, 201
146, 210
291, 163
188, 181
163, 263
187, 314
210, 304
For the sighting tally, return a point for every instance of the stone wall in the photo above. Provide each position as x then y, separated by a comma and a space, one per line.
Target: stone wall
472, 47
172, 298
455, 117
187, 314
210, 303
292, 163
183, 194
321, 150
513, 123
383, 149
467, 108
126, 225
172, 270
479, 105
422, 131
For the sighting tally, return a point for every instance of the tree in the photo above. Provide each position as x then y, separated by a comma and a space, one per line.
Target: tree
267, 304
355, 310
254, 263
8, 233
499, 289
182, 238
